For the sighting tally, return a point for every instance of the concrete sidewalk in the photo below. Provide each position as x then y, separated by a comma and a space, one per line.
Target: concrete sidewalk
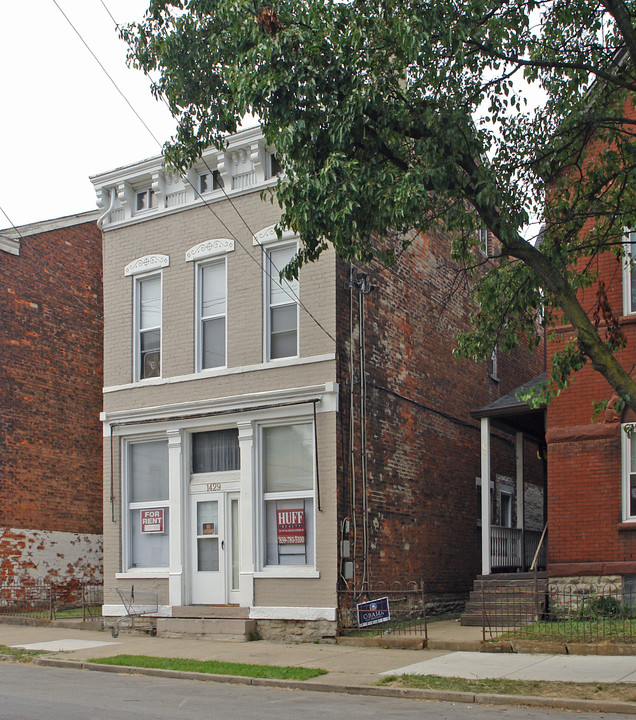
349, 668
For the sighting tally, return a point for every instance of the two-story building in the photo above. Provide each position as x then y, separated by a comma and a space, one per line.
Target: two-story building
50, 396
267, 443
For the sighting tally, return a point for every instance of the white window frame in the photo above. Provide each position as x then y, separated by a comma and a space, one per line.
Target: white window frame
200, 319
269, 275
482, 237
493, 364
128, 506
508, 493
137, 330
264, 497
628, 269
627, 429
151, 200
214, 181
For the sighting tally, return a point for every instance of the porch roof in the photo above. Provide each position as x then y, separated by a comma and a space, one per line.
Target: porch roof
512, 415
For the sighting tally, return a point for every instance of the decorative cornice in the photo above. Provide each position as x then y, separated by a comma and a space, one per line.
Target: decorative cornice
269, 235
146, 263
209, 248
583, 433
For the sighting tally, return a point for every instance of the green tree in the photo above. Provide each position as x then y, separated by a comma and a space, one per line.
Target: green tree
393, 117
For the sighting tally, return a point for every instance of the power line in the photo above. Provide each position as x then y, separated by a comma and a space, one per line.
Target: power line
287, 290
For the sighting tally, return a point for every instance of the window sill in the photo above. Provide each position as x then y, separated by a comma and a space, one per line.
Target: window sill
627, 526
288, 572
141, 574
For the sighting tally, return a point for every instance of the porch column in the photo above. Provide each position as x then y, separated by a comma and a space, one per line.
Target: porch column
520, 482
485, 496
176, 491
247, 516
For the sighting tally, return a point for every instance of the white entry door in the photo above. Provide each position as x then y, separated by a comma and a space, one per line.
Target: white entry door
208, 549
214, 548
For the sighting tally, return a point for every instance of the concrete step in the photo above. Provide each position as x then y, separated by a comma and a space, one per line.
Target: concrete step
229, 629
210, 611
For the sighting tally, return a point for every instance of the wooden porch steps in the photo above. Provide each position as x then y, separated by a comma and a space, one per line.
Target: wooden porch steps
508, 598
208, 622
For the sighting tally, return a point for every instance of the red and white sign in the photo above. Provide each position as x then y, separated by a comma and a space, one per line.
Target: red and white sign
291, 527
152, 520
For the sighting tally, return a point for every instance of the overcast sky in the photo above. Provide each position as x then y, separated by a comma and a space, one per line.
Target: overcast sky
62, 119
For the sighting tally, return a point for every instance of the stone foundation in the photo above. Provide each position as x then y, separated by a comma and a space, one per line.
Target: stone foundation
296, 630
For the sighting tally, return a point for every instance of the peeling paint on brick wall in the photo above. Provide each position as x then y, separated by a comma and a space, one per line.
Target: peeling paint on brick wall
49, 555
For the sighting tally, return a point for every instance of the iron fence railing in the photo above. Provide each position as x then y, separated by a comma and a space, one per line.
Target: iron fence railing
506, 546
578, 612
383, 609
45, 599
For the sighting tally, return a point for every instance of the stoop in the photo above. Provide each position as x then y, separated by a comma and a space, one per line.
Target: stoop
208, 622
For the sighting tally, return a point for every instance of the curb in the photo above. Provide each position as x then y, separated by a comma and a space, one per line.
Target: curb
378, 691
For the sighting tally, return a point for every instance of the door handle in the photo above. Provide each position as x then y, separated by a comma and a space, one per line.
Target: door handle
222, 544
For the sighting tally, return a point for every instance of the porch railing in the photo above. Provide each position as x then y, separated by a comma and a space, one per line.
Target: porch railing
506, 548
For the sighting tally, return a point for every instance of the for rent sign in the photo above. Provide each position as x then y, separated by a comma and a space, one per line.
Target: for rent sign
290, 525
152, 520
373, 612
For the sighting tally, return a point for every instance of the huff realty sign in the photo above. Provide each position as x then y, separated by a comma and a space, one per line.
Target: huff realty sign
373, 612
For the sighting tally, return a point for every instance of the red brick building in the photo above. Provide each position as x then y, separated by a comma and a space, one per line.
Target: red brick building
591, 481
51, 326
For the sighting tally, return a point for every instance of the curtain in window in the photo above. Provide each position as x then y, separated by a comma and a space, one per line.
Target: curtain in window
215, 451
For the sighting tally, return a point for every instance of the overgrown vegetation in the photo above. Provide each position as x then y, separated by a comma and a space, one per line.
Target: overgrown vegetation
500, 686
18, 654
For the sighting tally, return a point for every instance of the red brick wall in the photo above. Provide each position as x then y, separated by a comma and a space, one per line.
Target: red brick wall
423, 446
50, 381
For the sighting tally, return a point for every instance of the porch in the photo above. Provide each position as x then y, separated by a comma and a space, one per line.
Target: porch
510, 541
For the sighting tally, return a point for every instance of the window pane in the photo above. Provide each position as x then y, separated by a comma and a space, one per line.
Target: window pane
208, 517
235, 544
150, 302
203, 183
148, 471
286, 291
208, 554
283, 340
288, 458
148, 549
150, 354
213, 289
213, 341
284, 548
215, 451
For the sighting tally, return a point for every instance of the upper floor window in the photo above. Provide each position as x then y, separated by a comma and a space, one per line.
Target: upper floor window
629, 471
274, 166
482, 235
145, 200
629, 274
281, 301
209, 181
148, 327
211, 291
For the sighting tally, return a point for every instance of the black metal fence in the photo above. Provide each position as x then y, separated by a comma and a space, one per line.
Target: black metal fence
382, 610
577, 612
47, 600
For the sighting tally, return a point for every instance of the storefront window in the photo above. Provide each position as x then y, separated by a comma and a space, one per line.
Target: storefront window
288, 480
148, 514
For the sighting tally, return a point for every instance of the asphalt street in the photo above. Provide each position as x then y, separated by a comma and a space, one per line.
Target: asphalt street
40, 693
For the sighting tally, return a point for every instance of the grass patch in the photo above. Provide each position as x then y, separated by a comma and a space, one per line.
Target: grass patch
606, 629
96, 612
216, 667
501, 686
18, 654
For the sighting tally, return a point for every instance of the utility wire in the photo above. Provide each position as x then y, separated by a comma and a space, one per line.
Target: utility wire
286, 289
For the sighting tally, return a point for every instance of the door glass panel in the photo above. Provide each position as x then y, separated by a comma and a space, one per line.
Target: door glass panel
235, 545
208, 554
207, 540
208, 518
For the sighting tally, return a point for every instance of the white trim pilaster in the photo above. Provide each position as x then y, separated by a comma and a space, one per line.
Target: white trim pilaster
485, 496
177, 530
247, 514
